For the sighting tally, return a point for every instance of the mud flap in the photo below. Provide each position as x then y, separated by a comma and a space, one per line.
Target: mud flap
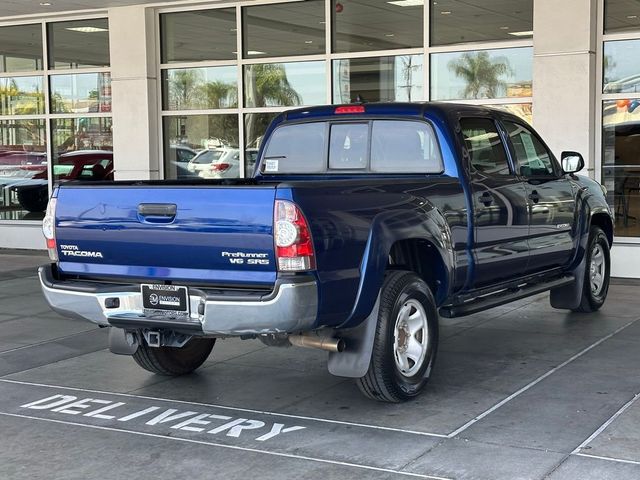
570, 296
354, 361
122, 342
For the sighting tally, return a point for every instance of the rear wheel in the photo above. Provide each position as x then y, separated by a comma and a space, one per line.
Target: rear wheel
597, 272
406, 340
172, 360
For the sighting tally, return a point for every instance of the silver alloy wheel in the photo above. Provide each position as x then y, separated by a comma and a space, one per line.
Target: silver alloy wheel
411, 338
597, 270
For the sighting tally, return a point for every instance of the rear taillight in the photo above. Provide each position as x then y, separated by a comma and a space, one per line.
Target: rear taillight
294, 245
220, 167
49, 229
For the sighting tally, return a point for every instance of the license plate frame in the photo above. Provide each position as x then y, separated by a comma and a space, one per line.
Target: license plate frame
165, 300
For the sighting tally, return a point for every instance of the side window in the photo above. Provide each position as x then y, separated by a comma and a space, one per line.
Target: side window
404, 147
532, 158
486, 151
348, 145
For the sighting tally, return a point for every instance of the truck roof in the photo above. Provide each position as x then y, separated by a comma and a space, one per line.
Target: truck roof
417, 109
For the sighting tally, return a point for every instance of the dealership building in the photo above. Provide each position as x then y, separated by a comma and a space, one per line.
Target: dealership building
133, 89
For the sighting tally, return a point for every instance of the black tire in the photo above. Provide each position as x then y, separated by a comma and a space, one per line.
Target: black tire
33, 199
174, 361
594, 294
385, 380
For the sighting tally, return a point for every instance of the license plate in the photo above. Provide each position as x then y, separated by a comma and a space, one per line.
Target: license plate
165, 299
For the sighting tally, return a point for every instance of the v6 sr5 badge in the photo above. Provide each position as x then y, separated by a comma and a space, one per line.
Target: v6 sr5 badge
246, 258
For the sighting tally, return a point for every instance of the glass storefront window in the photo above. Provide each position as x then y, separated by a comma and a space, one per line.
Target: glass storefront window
200, 88
78, 44
496, 73
81, 93
82, 149
285, 84
21, 48
255, 126
621, 70
21, 96
199, 35
377, 25
381, 79
621, 163
23, 170
283, 29
213, 139
621, 16
456, 21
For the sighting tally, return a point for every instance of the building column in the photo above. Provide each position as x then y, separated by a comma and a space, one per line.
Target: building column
134, 92
564, 76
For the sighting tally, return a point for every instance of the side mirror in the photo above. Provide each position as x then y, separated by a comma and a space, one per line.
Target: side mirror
572, 162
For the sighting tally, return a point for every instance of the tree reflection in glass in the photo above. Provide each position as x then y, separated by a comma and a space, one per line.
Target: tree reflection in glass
21, 96
481, 74
497, 73
285, 84
200, 88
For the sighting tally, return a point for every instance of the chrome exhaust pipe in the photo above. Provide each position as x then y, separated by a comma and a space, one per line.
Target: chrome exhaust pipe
313, 341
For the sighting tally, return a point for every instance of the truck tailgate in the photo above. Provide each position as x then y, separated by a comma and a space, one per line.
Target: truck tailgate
207, 233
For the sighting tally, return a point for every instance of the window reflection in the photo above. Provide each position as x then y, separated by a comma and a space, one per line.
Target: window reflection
21, 48
78, 44
201, 146
621, 163
365, 25
621, 16
199, 35
383, 79
522, 110
482, 74
284, 29
285, 84
23, 169
461, 21
255, 126
87, 92
21, 96
621, 74
82, 149
200, 88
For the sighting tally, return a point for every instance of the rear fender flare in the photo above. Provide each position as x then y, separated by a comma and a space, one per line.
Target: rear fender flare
389, 227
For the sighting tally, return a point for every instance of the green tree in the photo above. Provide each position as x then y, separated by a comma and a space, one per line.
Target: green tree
481, 74
220, 94
183, 89
268, 85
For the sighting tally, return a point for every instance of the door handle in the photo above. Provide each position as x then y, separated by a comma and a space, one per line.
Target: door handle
486, 198
158, 212
534, 196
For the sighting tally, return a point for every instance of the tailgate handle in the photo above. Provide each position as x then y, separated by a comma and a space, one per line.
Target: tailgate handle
157, 210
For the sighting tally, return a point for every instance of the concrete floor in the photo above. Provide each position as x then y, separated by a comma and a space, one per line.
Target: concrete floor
519, 392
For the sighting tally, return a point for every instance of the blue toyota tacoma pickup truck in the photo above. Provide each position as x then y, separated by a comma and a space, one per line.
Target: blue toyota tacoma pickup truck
362, 227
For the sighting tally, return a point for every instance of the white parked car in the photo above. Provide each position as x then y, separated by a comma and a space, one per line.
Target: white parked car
216, 163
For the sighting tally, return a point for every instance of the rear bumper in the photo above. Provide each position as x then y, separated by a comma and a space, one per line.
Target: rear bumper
291, 307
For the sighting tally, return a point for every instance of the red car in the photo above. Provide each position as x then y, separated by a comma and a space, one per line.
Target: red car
89, 165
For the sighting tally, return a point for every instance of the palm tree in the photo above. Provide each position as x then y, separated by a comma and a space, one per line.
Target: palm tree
220, 94
481, 74
267, 86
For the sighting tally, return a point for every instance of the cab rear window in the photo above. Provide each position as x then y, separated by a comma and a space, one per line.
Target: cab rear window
370, 146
